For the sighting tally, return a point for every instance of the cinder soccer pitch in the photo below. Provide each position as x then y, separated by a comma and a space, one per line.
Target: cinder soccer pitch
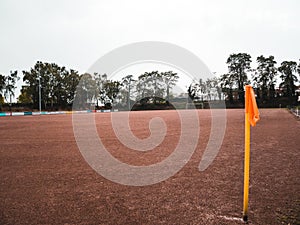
45, 180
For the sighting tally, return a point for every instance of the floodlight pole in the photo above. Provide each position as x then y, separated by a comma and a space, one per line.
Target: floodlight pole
129, 95
40, 100
129, 83
10, 102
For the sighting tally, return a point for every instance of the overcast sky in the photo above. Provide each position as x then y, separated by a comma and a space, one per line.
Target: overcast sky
77, 33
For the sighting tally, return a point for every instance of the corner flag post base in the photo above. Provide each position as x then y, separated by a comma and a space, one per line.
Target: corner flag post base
245, 218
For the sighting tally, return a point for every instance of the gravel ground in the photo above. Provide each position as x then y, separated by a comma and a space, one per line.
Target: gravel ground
45, 180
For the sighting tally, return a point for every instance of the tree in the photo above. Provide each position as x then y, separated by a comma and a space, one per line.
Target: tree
238, 66
100, 79
205, 90
128, 83
227, 83
169, 78
298, 69
9, 86
287, 70
192, 91
264, 76
2, 85
31, 79
70, 83
202, 88
111, 90
1, 101
54, 92
24, 97
57, 85
86, 91
150, 84
215, 83
141, 86
154, 80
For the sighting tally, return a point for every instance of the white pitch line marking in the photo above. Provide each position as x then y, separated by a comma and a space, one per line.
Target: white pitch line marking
232, 218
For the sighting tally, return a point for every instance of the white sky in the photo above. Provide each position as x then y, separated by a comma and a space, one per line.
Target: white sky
76, 33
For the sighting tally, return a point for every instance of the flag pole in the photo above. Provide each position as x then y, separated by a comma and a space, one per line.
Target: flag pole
246, 167
251, 117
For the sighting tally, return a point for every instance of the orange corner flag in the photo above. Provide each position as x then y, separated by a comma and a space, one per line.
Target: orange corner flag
251, 117
251, 106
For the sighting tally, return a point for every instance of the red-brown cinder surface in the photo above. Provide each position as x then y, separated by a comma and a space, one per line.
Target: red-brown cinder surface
45, 180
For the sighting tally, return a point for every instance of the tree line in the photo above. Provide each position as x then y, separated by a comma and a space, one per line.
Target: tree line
55, 87
263, 78
149, 87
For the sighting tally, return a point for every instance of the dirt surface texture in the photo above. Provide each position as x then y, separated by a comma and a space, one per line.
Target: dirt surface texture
44, 179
